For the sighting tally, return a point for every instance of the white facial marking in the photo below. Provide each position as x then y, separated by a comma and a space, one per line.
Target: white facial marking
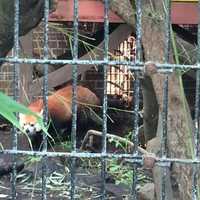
38, 127
29, 128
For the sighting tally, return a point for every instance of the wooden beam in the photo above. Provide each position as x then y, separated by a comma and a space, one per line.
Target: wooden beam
64, 74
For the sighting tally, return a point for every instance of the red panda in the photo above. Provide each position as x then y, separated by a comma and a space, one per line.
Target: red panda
60, 113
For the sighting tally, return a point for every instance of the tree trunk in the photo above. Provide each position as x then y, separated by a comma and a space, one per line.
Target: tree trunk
186, 49
179, 120
179, 136
150, 108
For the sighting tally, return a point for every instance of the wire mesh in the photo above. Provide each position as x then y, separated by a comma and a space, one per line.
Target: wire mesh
136, 66
195, 176
74, 98
45, 100
167, 5
16, 94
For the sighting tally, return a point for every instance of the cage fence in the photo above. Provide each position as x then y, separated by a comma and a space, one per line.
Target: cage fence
123, 71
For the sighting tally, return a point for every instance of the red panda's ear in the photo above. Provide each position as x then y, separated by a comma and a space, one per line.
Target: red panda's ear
41, 113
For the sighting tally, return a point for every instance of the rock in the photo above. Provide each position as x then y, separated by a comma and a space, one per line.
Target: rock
153, 145
147, 192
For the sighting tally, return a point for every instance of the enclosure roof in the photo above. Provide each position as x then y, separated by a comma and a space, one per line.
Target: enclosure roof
182, 12
89, 11
185, 13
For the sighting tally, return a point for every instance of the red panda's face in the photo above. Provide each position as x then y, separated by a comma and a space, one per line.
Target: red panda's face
29, 124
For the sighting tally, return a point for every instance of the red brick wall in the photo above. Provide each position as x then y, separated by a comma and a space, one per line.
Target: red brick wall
58, 45
58, 42
6, 79
93, 79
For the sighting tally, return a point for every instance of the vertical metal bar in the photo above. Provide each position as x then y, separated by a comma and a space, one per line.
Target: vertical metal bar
135, 132
136, 82
119, 68
167, 5
138, 54
165, 87
195, 176
164, 135
106, 42
74, 74
196, 135
74, 98
45, 100
136, 98
16, 94
167, 9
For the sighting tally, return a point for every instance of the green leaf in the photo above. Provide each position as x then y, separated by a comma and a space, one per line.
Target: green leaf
9, 108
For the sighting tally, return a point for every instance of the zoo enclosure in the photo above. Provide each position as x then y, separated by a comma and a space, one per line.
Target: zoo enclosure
136, 66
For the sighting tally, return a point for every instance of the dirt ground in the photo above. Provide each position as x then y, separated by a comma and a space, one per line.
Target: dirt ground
29, 181
88, 184
88, 179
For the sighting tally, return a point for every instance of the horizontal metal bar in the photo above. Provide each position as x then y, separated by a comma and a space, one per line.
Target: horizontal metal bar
71, 154
132, 158
162, 67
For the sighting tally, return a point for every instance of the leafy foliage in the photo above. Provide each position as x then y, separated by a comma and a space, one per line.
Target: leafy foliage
9, 108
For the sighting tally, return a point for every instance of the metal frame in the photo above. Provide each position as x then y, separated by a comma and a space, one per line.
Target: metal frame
137, 66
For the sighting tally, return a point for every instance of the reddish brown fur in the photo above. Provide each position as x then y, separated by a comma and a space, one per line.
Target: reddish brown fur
60, 103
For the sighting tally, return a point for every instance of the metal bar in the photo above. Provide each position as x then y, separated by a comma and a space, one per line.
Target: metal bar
162, 67
195, 176
135, 66
136, 91
83, 155
165, 86
74, 75
164, 136
138, 55
105, 99
16, 95
134, 159
45, 100
74, 98
167, 26
167, 9
106, 42
135, 131
72, 177
137, 82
